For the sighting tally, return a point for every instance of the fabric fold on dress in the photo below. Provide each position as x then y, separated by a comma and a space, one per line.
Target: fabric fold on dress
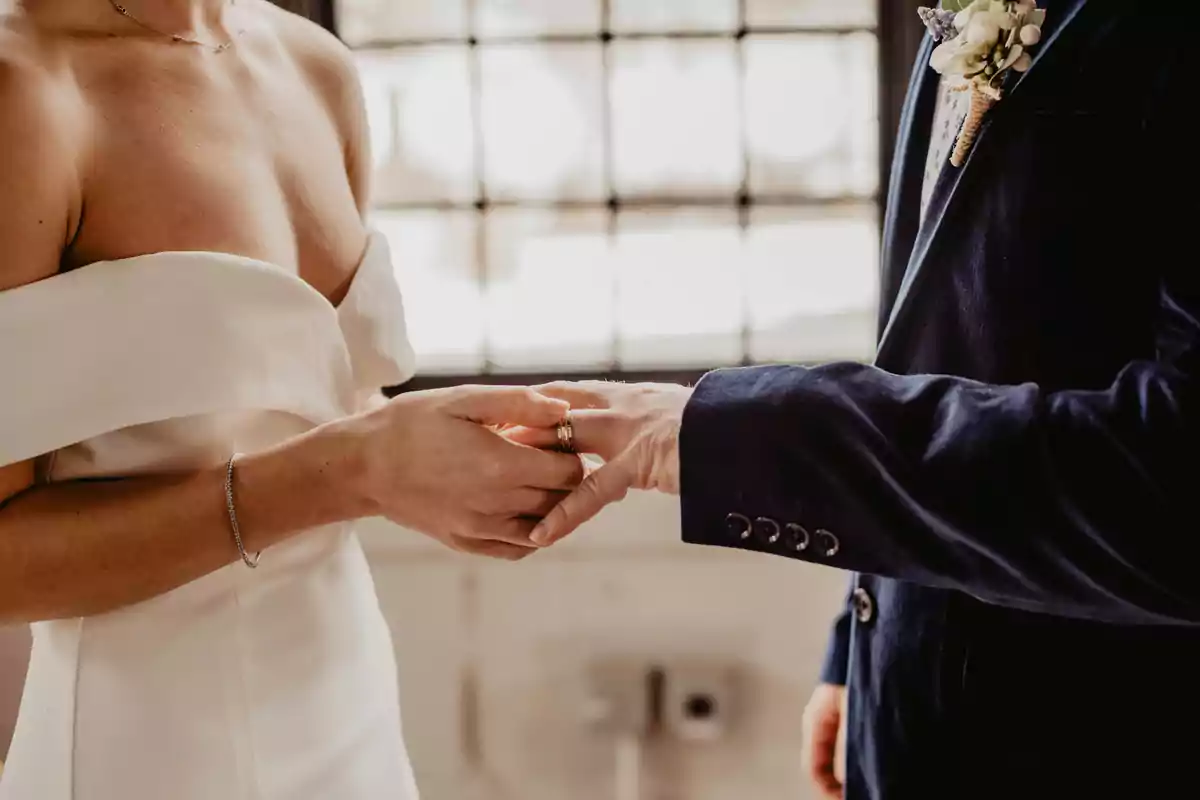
123, 343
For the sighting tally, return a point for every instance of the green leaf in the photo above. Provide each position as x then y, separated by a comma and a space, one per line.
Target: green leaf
955, 5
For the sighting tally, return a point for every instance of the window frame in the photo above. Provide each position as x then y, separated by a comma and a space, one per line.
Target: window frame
899, 33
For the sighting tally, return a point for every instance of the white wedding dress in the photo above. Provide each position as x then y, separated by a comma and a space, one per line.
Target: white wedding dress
270, 684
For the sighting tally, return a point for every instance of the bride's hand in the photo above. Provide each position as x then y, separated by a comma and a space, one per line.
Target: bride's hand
435, 462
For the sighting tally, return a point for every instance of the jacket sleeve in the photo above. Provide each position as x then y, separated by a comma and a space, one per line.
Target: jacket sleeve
1077, 503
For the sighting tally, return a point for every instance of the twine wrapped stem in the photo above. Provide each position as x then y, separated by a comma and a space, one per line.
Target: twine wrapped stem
980, 104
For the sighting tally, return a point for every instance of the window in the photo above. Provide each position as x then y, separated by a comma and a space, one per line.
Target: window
599, 186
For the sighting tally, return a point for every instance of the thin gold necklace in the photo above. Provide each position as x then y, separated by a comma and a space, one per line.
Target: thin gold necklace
216, 48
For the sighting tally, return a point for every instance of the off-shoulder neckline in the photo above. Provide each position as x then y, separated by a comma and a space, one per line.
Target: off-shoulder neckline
373, 243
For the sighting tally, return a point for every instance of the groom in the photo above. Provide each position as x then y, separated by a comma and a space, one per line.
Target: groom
1013, 482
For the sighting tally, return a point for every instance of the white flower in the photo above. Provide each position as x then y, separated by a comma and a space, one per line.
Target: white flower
964, 17
1012, 57
986, 27
983, 26
959, 57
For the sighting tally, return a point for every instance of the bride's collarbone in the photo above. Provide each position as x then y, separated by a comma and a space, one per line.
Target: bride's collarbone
248, 162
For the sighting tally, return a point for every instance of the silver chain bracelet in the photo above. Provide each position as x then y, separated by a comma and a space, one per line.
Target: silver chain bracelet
251, 562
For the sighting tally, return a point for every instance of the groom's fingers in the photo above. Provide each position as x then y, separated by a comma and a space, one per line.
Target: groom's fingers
606, 485
580, 394
592, 431
822, 724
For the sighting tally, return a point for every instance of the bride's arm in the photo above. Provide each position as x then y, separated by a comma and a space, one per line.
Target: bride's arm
76, 549
425, 461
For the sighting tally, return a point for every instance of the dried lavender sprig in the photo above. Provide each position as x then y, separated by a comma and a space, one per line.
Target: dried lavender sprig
939, 22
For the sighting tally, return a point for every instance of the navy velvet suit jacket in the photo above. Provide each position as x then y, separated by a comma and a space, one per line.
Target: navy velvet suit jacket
1015, 480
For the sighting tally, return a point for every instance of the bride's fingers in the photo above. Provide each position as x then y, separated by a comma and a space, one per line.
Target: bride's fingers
532, 503
492, 549
500, 528
606, 485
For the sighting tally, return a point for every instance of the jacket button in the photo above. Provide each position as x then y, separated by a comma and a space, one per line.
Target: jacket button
738, 526
827, 544
798, 538
767, 530
864, 606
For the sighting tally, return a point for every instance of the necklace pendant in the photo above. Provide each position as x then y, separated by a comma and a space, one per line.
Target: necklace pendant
175, 38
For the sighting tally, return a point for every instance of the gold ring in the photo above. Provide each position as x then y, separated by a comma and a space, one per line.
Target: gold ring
566, 434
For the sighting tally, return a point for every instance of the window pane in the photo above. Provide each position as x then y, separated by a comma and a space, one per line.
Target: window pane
361, 21
434, 256
673, 287
532, 17
679, 295
810, 13
550, 289
862, 87
811, 114
543, 121
422, 136
675, 117
674, 15
812, 283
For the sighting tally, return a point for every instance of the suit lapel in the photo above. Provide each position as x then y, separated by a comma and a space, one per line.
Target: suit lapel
946, 192
903, 217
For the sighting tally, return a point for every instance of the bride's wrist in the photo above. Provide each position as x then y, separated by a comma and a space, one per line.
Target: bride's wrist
337, 456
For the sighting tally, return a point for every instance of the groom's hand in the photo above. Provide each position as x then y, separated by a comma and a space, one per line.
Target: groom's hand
432, 461
824, 753
633, 427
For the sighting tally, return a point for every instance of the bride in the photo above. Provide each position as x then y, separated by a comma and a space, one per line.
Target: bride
186, 277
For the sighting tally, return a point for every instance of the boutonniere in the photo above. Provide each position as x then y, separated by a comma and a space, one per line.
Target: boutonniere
982, 43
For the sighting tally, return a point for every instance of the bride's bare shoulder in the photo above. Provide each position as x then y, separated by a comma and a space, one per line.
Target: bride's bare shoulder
38, 158
330, 70
312, 46
326, 62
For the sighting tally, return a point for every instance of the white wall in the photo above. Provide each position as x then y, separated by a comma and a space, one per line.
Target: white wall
519, 637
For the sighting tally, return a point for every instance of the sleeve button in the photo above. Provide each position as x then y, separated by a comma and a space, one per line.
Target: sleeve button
738, 525
827, 543
798, 537
767, 530
864, 606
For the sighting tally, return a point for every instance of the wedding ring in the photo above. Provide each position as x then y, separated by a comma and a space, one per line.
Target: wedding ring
566, 435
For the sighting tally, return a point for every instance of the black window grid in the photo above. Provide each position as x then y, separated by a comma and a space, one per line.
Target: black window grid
743, 200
